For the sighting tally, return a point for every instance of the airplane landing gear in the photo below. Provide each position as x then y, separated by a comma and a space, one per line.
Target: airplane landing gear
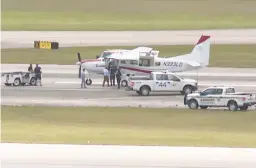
88, 81
124, 83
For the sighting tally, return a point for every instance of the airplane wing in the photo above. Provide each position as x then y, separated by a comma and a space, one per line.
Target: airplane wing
142, 49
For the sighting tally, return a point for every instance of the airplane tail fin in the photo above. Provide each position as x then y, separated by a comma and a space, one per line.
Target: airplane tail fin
201, 52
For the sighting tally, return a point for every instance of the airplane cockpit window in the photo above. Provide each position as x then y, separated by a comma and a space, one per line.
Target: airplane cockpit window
106, 54
157, 63
123, 62
161, 77
144, 62
133, 62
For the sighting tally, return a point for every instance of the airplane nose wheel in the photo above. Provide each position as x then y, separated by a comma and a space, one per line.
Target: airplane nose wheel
124, 83
88, 81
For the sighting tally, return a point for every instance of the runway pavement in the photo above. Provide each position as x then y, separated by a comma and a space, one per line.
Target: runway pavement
97, 156
25, 39
67, 92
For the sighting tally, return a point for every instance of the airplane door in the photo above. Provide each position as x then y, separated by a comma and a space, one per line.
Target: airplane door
162, 83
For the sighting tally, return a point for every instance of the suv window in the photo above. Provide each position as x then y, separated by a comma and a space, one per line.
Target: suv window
208, 91
213, 92
173, 78
230, 90
161, 77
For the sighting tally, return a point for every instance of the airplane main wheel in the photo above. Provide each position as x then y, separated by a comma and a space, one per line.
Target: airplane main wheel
124, 83
88, 81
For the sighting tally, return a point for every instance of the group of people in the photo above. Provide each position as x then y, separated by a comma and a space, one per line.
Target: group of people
112, 74
38, 72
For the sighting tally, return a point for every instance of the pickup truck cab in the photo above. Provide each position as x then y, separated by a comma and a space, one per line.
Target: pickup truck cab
220, 97
161, 82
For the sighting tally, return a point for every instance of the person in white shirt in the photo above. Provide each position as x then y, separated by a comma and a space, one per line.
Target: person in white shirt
83, 84
106, 77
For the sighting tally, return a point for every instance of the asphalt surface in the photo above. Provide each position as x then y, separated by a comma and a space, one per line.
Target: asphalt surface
25, 39
67, 92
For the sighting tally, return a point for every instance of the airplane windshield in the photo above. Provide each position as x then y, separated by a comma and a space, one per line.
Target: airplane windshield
106, 54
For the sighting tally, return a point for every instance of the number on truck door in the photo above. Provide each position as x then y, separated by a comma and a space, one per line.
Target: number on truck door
162, 84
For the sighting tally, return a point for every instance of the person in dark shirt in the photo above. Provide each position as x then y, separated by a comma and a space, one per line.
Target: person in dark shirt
112, 75
118, 77
38, 73
30, 68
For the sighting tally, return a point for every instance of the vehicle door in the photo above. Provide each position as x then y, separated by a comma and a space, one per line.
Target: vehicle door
208, 98
162, 83
219, 100
175, 82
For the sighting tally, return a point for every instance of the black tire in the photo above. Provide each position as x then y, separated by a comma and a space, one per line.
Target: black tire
187, 90
88, 81
124, 83
193, 104
203, 107
32, 81
244, 108
17, 82
232, 106
8, 84
23, 84
144, 91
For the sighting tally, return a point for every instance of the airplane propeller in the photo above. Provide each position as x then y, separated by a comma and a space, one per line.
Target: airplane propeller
79, 59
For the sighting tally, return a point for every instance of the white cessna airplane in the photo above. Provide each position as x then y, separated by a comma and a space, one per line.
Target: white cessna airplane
133, 62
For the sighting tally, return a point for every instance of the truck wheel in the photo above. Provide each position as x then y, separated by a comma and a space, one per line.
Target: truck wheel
144, 91
8, 84
187, 90
124, 83
203, 107
32, 81
17, 82
193, 104
88, 81
232, 106
243, 108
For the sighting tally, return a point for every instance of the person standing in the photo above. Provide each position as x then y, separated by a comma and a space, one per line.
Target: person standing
106, 76
38, 73
112, 75
118, 77
30, 68
83, 83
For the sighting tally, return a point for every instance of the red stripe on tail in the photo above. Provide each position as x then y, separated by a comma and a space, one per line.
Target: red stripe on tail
202, 39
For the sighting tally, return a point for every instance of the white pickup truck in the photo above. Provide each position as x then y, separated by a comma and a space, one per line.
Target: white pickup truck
161, 82
220, 97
